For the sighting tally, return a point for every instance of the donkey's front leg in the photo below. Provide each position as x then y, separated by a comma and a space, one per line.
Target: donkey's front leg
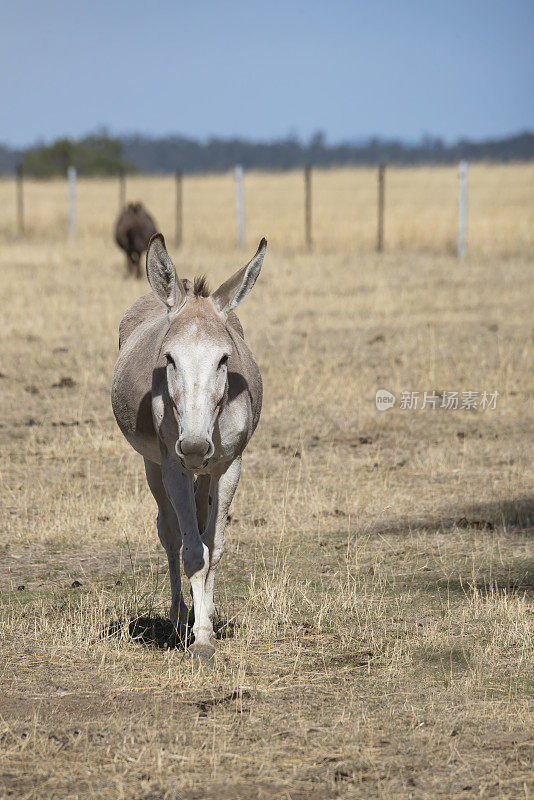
222, 491
180, 489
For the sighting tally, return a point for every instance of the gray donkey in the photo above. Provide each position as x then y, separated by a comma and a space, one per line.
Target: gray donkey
187, 396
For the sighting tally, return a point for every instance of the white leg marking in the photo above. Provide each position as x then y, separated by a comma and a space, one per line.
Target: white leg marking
203, 627
179, 487
223, 490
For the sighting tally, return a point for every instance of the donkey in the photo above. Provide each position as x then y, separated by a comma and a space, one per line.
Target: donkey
133, 230
187, 396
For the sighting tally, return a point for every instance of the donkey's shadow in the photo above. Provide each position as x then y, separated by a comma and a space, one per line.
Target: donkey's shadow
156, 631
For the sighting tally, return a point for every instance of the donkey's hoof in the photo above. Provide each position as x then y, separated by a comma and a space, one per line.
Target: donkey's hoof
202, 654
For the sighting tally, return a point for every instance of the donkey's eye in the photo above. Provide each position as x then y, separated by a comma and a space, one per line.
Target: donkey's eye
170, 360
223, 362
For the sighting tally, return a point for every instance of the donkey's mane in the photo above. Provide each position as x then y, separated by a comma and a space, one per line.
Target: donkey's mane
200, 287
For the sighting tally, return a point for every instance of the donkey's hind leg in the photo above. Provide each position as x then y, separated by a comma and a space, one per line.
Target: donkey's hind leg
130, 266
135, 260
171, 539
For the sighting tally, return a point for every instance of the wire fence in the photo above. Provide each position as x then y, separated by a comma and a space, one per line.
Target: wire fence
486, 209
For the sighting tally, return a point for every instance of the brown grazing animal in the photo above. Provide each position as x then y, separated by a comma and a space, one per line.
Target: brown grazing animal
133, 230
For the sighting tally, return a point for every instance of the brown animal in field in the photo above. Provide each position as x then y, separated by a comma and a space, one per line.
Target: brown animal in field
133, 230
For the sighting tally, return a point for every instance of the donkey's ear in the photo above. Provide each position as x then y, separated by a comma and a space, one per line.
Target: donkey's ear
233, 291
161, 274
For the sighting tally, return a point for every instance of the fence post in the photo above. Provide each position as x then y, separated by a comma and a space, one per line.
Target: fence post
20, 198
240, 206
307, 207
462, 208
381, 204
71, 175
179, 206
122, 189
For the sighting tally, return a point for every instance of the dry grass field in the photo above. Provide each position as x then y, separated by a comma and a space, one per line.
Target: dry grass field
375, 601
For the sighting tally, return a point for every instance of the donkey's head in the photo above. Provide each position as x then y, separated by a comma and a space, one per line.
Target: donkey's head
197, 346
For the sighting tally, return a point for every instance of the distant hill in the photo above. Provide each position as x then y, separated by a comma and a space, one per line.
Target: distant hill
101, 155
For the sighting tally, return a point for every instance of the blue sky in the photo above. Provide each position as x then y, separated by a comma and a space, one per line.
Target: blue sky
267, 69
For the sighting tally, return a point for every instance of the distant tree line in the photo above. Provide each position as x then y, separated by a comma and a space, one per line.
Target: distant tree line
92, 155
218, 155
106, 155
